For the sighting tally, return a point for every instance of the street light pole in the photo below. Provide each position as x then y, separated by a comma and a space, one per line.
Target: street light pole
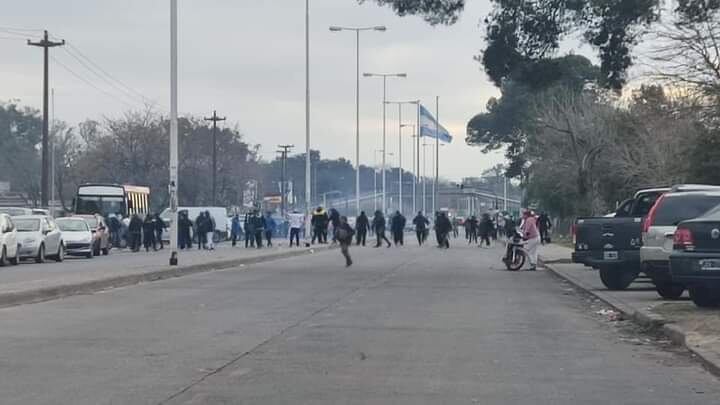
357, 101
384, 143
173, 184
308, 179
401, 125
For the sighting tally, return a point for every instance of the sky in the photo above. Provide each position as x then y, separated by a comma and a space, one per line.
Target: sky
246, 59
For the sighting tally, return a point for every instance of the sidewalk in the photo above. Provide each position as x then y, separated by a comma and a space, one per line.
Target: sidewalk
680, 320
31, 282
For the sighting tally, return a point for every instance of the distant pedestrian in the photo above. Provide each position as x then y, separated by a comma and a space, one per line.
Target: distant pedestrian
319, 222
334, 218
397, 226
149, 233
544, 225
259, 227
344, 235
532, 237
235, 229
249, 229
210, 228
421, 224
362, 225
200, 226
297, 221
486, 228
443, 227
115, 227
135, 231
159, 228
474, 228
184, 231
270, 228
379, 228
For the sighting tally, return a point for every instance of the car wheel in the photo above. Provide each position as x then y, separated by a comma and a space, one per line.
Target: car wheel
670, 291
15, 260
3, 257
705, 297
90, 254
617, 278
60, 256
40, 258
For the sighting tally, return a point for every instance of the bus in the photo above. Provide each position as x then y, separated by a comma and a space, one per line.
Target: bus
105, 199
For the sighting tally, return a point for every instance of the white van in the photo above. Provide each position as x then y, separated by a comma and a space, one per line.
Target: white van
219, 214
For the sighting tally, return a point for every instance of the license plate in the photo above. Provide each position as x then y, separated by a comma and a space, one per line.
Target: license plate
710, 264
610, 255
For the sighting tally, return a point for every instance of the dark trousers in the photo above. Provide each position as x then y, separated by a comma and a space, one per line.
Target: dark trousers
202, 239
158, 238
485, 238
249, 239
184, 239
295, 233
361, 236
543, 235
268, 237
380, 233
135, 241
234, 238
398, 237
473, 236
258, 239
420, 233
149, 240
320, 234
345, 250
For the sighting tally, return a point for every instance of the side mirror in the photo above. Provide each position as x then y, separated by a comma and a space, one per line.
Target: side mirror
46, 231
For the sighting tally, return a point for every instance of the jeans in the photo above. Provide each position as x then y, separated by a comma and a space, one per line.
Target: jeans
345, 250
361, 236
295, 233
268, 237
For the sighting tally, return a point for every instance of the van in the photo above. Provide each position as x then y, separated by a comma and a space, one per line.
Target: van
219, 214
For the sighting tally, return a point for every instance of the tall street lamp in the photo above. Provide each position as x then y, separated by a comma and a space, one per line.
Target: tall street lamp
414, 167
357, 100
384, 76
400, 127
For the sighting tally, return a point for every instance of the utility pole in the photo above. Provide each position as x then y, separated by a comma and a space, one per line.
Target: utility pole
214, 120
46, 44
283, 191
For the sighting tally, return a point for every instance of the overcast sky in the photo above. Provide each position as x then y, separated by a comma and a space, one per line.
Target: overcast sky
246, 59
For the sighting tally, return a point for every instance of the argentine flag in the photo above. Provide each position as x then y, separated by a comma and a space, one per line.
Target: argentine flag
430, 128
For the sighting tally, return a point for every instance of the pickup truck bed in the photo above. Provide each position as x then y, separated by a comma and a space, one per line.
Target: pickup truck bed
603, 242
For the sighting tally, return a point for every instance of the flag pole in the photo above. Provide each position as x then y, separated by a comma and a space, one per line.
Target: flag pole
436, 193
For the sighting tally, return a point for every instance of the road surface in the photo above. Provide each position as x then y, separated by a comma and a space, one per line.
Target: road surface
403, 326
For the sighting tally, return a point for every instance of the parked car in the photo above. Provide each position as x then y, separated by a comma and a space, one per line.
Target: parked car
612, 244
100, 232
15, 211
695, 261
8, 241
658, 232
77, 236
39, 238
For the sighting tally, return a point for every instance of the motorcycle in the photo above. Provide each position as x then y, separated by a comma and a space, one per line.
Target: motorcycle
516, 255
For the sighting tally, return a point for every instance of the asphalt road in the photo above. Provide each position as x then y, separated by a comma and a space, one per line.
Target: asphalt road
403, 326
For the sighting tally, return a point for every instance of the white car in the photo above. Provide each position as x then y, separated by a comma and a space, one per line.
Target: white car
39, 238
8, 241
77, 236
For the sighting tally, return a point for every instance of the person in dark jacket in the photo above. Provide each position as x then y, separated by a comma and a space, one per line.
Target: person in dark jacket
472, 226
115, 227
378, 225
544, 225
235, 229
397, 226
319, 221
184, 230
486, 229
421, 223
135, 231
249, 229
149, 233
335, 221
343, 233
159, 228
362, 224
259, 227
443, 227
200, 230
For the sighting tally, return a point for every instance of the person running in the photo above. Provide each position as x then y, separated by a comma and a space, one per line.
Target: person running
378, 225
335, 221
532, 236
297, 220
397, 226
362, 224
421, 224
343, 233
486, 226
270, 227
443, 227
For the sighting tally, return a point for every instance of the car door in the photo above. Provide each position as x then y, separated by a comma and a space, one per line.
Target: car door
51, 242
56, 234
10, 238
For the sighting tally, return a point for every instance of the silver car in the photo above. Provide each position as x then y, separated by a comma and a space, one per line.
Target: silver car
77, 236
658, 231
39, 238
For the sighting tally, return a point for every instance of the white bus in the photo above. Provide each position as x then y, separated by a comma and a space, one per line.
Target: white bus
105, 199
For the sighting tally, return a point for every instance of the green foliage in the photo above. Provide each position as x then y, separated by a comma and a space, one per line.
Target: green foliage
20, 136
433, 11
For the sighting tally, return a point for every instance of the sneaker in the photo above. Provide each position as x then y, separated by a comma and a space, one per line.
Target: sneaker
533, 268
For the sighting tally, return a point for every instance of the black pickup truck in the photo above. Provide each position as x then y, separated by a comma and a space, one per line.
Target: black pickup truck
611, 244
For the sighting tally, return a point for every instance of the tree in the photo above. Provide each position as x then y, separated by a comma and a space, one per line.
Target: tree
433, 11
20, 131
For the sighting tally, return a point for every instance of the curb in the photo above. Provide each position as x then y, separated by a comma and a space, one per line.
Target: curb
56, 292
709, 359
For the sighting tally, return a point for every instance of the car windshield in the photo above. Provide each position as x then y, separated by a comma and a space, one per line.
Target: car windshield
675, 209
92, 222
72, 225
27, 224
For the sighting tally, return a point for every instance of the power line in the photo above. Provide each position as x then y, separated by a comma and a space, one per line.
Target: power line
82, 79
